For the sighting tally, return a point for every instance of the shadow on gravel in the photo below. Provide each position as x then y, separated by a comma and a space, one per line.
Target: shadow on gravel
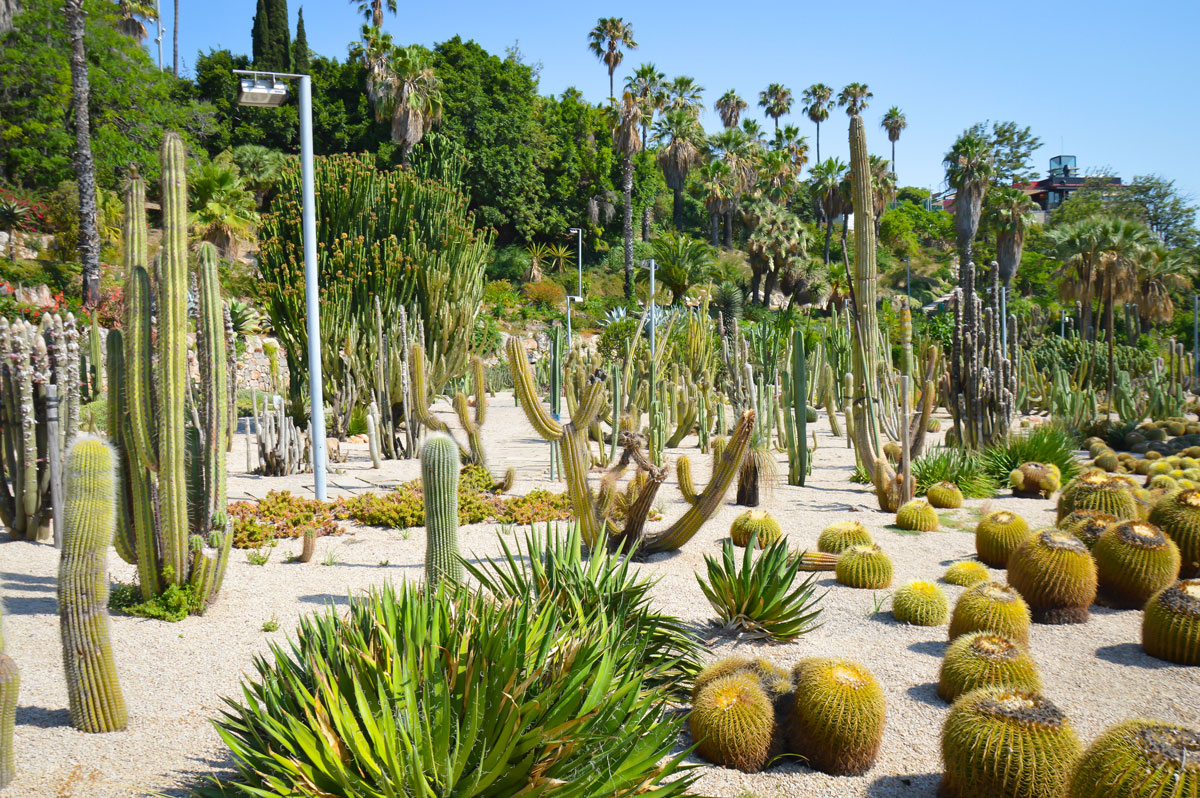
1130, 654
219, 767
30, 605
43, 718
934, 648
29, 582
926, 694
917, 784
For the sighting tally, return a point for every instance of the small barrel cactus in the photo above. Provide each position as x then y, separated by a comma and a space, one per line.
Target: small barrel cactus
991, 607
733, 722
752, 521
864, 567
945, 496
838, 715
1140, 759
920, 604
1134, 560
439, 483
1107, 459
1003, 742
966, 573
1171, 623
917, 515
984, 659
1035, 480
836, 538
1055, 574
1178, 515
1087, 525
1097, 490
1159, 481
998, 535
89, 521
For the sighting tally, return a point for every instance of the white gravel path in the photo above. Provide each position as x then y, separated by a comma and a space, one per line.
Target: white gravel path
175, 675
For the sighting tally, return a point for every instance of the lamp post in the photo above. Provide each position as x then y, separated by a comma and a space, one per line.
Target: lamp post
578, 231
570, 298
907, 278
1195, 340
267, 89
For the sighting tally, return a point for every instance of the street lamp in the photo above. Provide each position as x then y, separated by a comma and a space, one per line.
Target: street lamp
578, 231
907, 278
570, 298
265, 90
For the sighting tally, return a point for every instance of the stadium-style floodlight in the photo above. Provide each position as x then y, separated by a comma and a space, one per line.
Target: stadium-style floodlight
268, 90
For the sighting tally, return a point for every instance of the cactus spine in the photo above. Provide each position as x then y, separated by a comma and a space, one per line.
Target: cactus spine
439, 480
89, 516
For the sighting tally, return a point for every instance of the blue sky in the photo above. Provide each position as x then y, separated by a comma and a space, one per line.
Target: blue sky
1113, 83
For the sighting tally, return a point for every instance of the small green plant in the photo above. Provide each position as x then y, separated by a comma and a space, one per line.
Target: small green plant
173, 604
877, 602
258, 556
271, 625
384, 563
960, 467
759, 599
331, 557
1047, 443
279, 514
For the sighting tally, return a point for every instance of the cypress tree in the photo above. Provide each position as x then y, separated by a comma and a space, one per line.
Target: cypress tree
300, 46
279, 36
259, 34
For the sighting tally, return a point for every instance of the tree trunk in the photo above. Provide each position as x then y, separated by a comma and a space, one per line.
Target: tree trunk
611, 95
678, 210
1108, 322
646, 222
175, 39
819, 154
627, 222
828, 234
716, 230
755, 282
769, 287
893, 157
729, 229
85, 168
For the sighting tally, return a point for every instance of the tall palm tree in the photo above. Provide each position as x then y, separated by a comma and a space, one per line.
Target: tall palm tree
730, 106
679, 136
1008, 212
1161, 270
607, 41
716, 180
883, 187
85, 167
816, 108
132, 13
175, 40
410, 95
777, 238
736, 150
681, 262
372, 10
775, 100
789, 140
968, 169
628, 143
646, 84
894, 123
853, 97
1078, 247
826, 180
753, 130
684, 94
374, 50
1125, 244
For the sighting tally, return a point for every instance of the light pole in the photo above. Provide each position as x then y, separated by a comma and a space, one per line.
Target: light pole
578, 231
907, 278
267, 89
570, 298
1195, 340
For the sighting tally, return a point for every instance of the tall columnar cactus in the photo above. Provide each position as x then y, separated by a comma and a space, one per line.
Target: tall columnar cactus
177, 513
982, 383
439, 482
10, 684
598, 526
798, 464
89, 516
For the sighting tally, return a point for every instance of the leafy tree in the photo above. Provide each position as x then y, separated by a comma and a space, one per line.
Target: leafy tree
1011, 147
816, 108
778, 246
276, 128
270, 36
775, 100
607, 41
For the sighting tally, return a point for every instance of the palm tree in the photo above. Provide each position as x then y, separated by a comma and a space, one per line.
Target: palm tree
816, 107
894, 122
854, 97
1008, 212
606, 41
1125, 244
260, 166
1078, 247
1159, 271
684, 94
775, 100
681, 262
223, 208
753, 130
883, 187
374, 50
736, 150
407, 92
730, 106
85, 167
132, 13
778, 238
826, 178
968, 170
646, 84
372, 10
716, 180
12, 216
789, 140
175, 40
679, 136
628, 143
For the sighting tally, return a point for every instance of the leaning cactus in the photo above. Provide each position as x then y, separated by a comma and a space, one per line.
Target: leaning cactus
177, 512
89, 516
439, 483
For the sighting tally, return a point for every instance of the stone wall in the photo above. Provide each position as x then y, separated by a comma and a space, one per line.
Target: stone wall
254, 366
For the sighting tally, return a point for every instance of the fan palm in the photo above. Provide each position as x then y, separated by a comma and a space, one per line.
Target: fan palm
679, 136
854, 97
680, 262
789, 140
684, 94
607, 41
372, 10
826, 180
1160, 270
260, 167
1078, 247
716, 181
410, 95
775, 100
883, 186
1008, 212
132, 13
776, 175
968, 169
627, 144
374, 50
735, 149
730, 106
12, 218
753, 130
1125, 244
816, 108
777, 239
223, 210
894, 123
646, 84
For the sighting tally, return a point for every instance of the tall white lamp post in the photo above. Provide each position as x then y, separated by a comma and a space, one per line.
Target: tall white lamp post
578, 231
265, 90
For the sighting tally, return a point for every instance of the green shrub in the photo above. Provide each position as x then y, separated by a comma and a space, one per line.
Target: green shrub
961, 467
545, 294
1046, 443
173, 604
279, 514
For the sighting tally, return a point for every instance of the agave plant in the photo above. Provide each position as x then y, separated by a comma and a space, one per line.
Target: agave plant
963, 467
759, 599
412, 691
551, 568
1047, 443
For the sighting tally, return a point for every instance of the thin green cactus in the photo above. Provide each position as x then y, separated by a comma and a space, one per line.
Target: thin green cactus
10, 685
439, 483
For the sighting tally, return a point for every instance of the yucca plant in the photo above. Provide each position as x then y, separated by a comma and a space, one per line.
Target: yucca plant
962, 467
759, 599
1046, 443
411, 691
551, 568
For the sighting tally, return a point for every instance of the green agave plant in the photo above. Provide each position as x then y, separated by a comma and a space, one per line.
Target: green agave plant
551, 569
409, 691
759, 599
1047, 443
962, 467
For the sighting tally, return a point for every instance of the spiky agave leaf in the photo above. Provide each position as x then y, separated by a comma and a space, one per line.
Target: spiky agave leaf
962, 467
759, 599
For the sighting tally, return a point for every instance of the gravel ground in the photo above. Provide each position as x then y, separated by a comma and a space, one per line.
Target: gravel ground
175, 675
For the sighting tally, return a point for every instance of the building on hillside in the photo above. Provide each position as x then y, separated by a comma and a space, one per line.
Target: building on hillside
1063, 180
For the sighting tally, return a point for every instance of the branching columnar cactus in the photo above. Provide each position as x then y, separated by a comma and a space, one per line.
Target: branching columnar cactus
32, 358
1140, 759
439, 483
594, 512
283, 448
1171, 623
10, 685
175, 479
838, 715
89, 516
984, 659
1055, 574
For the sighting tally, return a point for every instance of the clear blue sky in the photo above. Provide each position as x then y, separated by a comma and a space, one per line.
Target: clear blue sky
1114, 83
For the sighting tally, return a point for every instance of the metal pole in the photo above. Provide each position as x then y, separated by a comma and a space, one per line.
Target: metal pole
311, 298
1195, 339
652, 316
158, 24
55, 463
579, 258
568, 323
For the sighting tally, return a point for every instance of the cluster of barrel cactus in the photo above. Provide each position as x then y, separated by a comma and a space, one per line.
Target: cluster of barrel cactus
1035, 480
